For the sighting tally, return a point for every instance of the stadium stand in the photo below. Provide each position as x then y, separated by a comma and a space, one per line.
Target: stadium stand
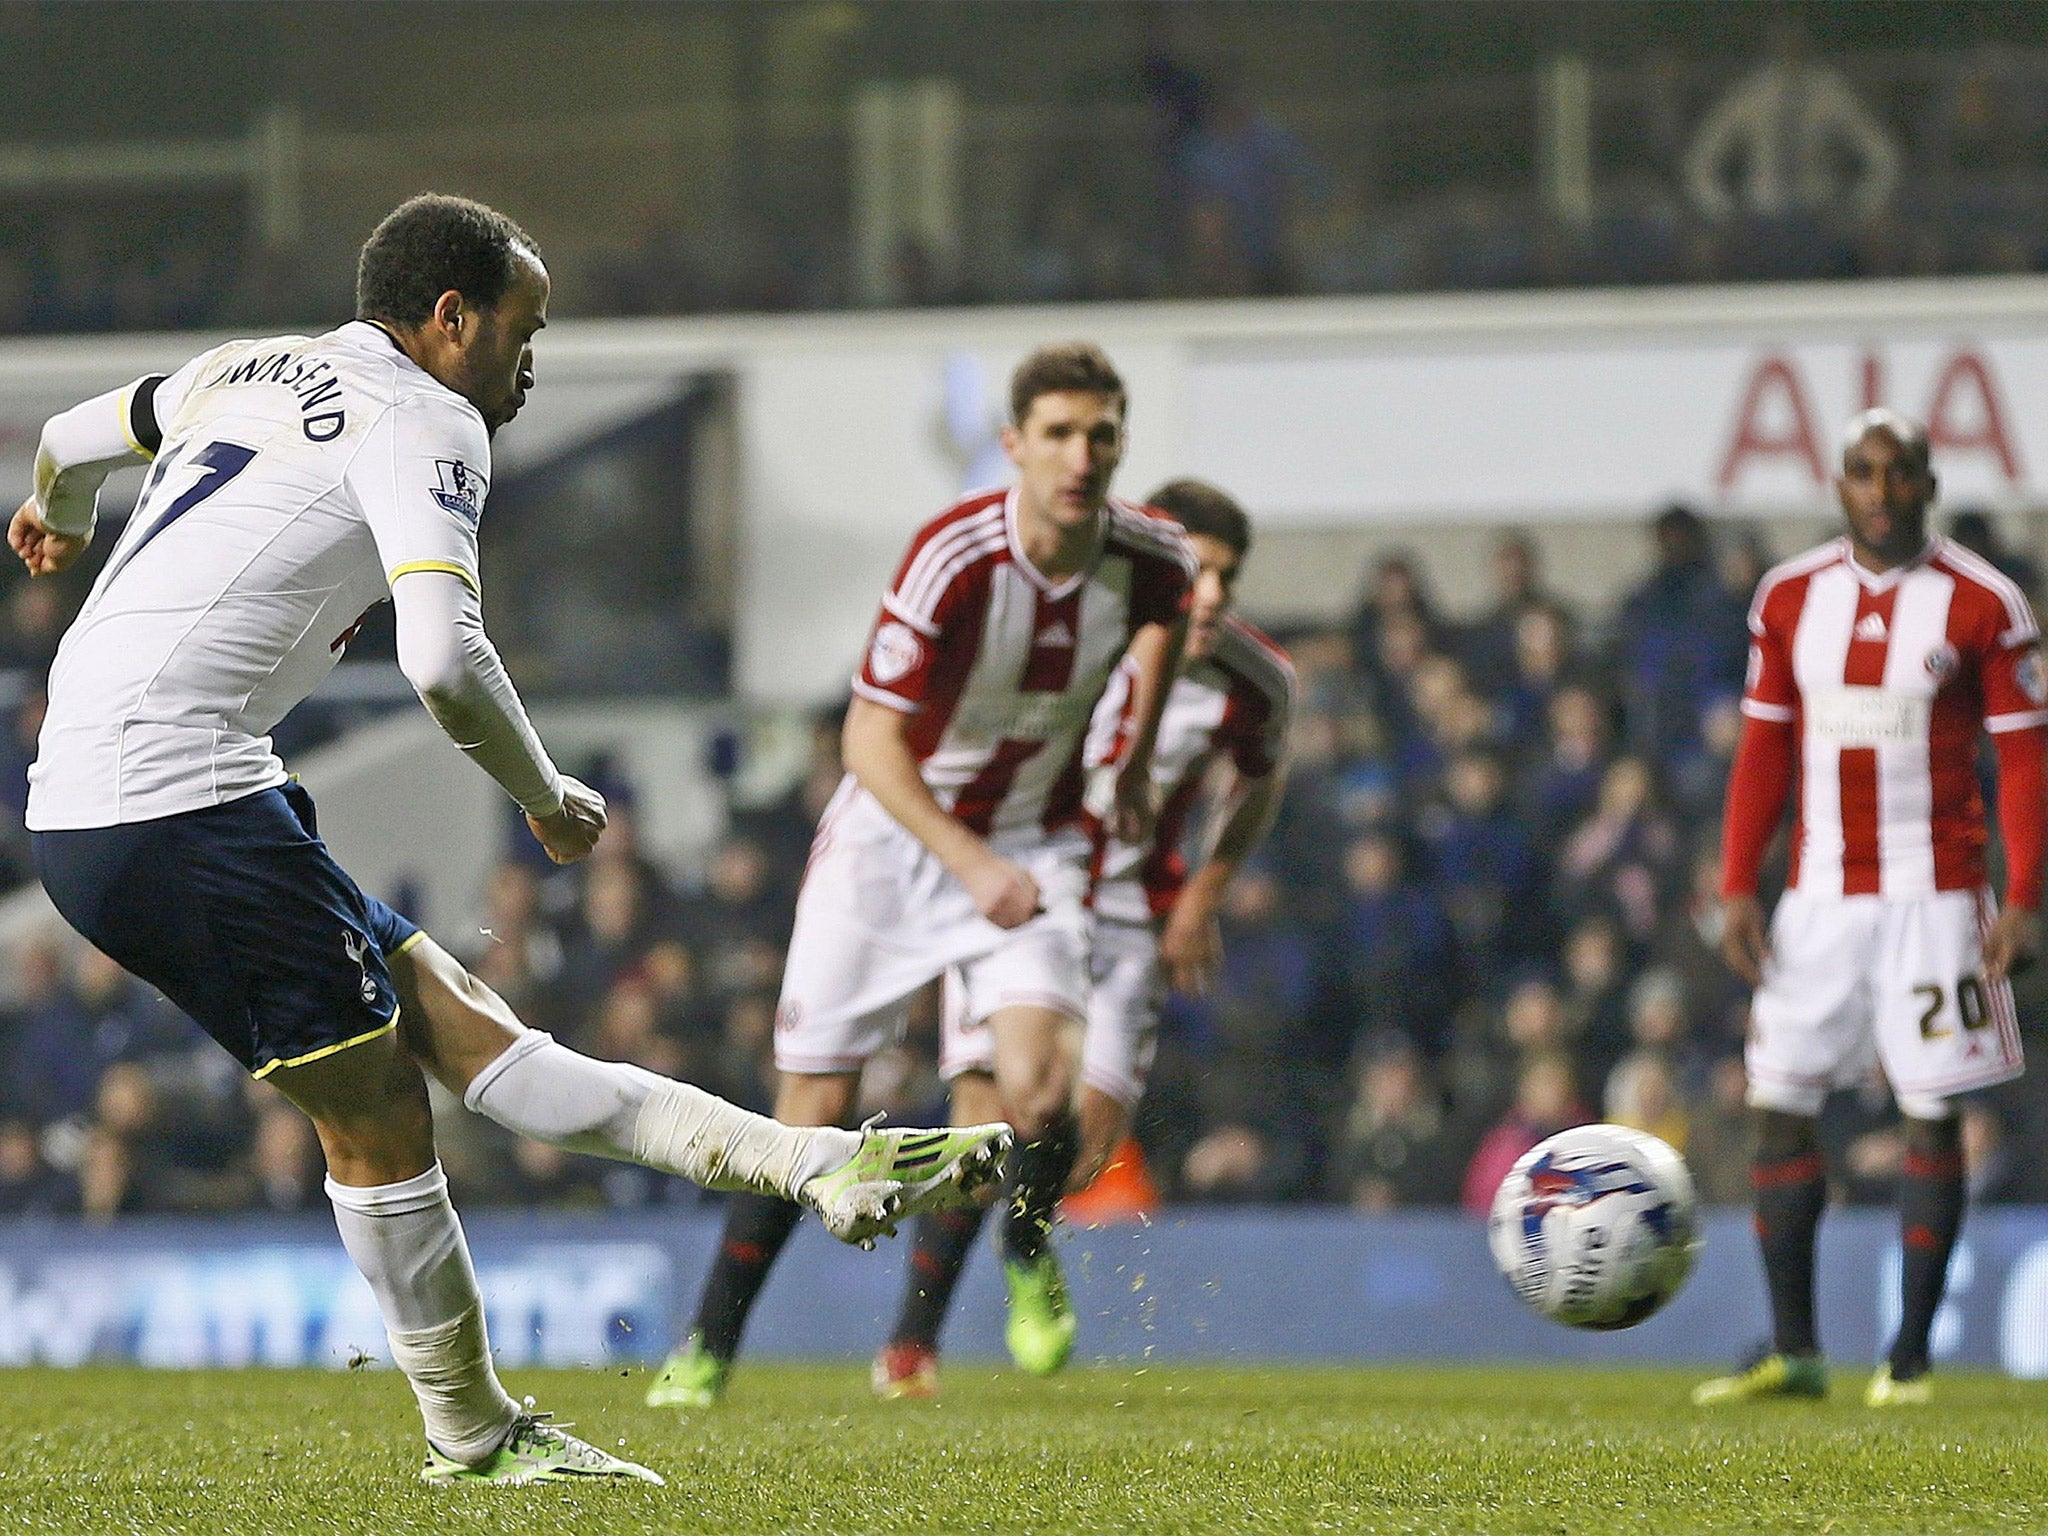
1356, 150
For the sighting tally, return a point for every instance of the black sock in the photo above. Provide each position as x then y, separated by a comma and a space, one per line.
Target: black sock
1038, 1177
939, 1246
756, 1227
1790, 1193
1930, 1215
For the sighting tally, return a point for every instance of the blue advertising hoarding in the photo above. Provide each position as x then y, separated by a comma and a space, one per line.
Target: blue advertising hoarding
1194, 1284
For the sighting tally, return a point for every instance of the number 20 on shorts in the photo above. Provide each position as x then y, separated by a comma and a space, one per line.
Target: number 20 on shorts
1971, 1003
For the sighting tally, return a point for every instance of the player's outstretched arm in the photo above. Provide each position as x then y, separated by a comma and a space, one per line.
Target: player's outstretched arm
452, 665
1155, 652
78, 449
1191, 946
877, 751
421, 477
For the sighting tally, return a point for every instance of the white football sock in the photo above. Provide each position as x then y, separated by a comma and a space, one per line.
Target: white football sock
541, 1089
406, 1240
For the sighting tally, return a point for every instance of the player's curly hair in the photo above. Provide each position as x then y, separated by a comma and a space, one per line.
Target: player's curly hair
430, 244
1066, 365
1201, 508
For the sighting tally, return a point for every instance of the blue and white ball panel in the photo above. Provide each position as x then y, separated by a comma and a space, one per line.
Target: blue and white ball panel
1596, 1227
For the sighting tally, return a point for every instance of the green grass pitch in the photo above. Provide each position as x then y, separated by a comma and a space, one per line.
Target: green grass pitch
1108, 1449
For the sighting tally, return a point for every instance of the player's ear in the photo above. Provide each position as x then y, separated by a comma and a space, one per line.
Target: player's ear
450, 313
1012, 440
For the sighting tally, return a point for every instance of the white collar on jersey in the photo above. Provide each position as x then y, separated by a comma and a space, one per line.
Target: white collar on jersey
1884, 581
360, 329
374, 337
1031, 573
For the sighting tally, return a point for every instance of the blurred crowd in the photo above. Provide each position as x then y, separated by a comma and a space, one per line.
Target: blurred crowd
1487, 912
1788, 171
147, 264
1797, 164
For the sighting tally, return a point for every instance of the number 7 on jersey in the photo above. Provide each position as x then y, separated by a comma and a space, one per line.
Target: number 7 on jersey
218, 463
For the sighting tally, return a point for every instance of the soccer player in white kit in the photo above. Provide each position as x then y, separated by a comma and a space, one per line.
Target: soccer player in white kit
295, 482
955, 839
1152, 922
1877, 661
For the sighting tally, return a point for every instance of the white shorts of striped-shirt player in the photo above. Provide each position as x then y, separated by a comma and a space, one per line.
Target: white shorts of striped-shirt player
879, 917
1896, 981
1126, 987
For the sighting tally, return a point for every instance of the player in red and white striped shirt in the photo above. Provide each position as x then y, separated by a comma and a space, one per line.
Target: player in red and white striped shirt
1154, 918
955, 840
1151, 920
1877, 661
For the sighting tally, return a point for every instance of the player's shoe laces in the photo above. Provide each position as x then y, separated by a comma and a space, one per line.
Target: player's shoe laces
1887, 1391
905, 1372
692, 1377
1774, 1375
901, 1171
537, 1451
1040, 1330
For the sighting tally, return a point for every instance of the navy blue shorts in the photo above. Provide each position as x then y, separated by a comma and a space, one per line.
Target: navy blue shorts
239, 915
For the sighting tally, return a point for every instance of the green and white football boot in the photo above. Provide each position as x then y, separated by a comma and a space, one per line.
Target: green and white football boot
537, 1451
898, 1172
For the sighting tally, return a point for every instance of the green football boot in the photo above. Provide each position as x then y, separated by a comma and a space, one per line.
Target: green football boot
1887, 1391
536, 1451
1040, 1330
1773, 1376
899, 1172
692, 1377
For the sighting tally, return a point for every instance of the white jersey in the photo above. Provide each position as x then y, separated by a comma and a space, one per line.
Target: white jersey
296, 478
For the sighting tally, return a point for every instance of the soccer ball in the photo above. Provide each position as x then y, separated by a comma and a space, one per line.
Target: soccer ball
1596, 1227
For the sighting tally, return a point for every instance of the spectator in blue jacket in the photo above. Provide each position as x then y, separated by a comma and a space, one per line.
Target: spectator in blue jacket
1681, 641
1397, 946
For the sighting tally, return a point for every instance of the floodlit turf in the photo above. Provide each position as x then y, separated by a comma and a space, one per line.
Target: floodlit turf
1109, 1449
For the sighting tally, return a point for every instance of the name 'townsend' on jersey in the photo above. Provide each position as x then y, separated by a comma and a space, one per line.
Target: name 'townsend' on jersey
293, 480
